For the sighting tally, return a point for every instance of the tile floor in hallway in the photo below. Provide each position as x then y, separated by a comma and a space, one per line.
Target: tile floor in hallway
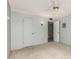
51, 50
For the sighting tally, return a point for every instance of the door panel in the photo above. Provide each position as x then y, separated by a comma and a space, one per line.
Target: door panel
16, 33
56, 31
27, 32
36, 31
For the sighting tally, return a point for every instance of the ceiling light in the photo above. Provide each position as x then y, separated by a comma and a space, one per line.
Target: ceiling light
55, 7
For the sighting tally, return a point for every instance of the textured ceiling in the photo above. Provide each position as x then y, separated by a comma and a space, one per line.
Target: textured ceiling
42, 7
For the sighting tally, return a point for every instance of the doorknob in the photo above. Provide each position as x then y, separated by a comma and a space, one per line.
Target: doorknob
33, 33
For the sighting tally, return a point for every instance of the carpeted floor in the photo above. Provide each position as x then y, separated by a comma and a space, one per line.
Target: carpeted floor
50, 50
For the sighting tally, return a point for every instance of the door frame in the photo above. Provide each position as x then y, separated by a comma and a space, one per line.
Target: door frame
52, 30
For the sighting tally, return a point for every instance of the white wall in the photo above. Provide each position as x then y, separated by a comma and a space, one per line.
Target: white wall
8, 29
65, 33
17, 29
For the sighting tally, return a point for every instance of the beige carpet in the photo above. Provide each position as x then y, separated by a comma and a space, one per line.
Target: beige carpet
50, 50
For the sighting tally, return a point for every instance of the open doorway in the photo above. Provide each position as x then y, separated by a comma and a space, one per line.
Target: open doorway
50, 31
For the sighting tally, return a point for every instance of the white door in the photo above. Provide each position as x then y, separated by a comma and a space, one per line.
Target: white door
56, 31
32, 32
36, 32
16, 33
27, 32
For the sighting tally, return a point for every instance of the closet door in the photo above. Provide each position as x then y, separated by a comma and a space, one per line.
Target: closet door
39, 32
27, 32
36, 31
16, 33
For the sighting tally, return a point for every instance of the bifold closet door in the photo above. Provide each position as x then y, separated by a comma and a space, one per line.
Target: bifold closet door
32, 32
16, 33
27, 32
36, 31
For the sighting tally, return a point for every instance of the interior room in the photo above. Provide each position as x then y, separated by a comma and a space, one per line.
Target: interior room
39, 29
